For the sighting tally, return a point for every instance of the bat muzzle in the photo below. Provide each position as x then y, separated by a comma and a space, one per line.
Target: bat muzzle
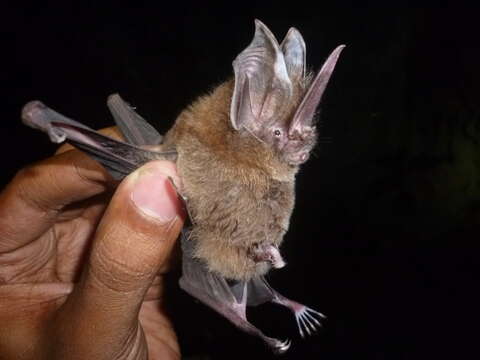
298, 158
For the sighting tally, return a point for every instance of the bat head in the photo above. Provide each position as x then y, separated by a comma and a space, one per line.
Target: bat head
273, 98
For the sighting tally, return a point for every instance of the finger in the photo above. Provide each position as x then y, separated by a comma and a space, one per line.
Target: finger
133, 240
31, 202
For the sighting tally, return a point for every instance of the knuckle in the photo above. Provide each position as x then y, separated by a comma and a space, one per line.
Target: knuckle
115, 274
28, 185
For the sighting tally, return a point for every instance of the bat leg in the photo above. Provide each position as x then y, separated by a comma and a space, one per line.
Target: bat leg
229, 300
235, 312
308, 320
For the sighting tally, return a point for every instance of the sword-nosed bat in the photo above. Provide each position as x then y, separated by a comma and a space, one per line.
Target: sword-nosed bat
237, 151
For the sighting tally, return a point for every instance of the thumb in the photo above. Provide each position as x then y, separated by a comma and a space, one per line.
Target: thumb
133, 240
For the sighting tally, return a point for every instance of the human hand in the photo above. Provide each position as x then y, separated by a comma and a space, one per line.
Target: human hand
79, 280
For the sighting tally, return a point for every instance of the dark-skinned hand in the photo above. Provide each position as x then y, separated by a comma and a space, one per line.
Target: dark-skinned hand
80, 270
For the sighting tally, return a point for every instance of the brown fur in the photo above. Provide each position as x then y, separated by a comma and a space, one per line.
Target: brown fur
239, 193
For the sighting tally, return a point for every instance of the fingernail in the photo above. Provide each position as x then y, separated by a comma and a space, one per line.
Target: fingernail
154, 195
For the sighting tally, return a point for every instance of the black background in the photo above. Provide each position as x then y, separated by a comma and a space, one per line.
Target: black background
384, 235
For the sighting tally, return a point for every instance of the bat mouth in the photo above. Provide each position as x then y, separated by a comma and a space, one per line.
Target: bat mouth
298, 158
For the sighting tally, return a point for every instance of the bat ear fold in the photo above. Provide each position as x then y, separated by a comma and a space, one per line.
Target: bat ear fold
262, 83
294, 51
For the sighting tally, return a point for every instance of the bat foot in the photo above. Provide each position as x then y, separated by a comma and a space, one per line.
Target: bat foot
280, 347
308, 320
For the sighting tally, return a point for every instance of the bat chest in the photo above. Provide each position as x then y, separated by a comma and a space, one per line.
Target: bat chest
233, 215
277, 206
241, 216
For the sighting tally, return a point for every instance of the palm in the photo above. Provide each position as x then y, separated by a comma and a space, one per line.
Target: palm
42, 273
65, 245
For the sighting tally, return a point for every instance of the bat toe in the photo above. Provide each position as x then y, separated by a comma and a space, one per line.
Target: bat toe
308, 320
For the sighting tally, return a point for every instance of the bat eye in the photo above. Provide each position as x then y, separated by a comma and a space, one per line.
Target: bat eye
277, 133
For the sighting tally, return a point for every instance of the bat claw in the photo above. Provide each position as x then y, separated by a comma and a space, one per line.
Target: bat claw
282, 346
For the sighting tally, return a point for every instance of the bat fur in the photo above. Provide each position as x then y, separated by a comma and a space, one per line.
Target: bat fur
237, 150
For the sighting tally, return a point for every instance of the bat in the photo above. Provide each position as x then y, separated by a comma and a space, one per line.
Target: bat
237, 150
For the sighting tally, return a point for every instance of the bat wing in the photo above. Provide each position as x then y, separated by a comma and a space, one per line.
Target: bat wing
197, 280
135, 128
117, 157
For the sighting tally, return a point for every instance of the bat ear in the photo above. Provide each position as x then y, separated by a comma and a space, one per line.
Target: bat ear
262, 85
294, 51
305, 112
